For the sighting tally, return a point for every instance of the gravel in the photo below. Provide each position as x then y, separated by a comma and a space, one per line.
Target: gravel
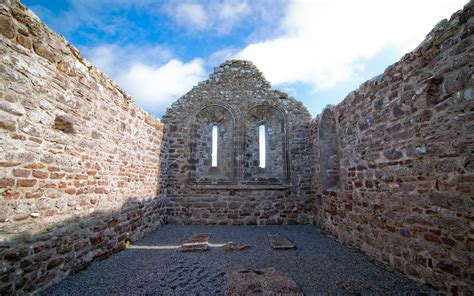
319, 265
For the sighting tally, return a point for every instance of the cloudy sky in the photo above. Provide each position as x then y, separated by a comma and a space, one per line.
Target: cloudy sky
317, 51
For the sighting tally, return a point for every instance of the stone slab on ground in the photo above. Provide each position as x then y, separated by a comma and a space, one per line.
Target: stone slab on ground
233, 247
266, 281
279, 242
198, 242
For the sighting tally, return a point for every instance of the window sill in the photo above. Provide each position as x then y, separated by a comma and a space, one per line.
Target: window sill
240, 187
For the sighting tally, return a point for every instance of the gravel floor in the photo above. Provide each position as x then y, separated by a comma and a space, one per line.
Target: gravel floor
319, 265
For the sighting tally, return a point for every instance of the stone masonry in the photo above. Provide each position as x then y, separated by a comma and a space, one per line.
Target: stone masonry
83, 171
404, 189
79, 162
237, 99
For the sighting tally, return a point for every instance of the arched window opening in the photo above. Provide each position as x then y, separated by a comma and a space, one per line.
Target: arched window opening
262, 145
214, 146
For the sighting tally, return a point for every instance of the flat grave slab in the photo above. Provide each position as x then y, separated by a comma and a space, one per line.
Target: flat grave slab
266, 281
233, 247
279, 242
198, 242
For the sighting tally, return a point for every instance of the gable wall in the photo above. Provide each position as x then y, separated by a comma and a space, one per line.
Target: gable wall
279, 194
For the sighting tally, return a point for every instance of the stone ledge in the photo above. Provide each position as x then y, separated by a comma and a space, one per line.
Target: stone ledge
240, 187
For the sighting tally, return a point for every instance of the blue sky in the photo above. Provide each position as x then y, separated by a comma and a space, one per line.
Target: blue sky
316, 51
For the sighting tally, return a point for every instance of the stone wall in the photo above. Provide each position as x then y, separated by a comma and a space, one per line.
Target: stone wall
405, 142
237, 99
79, 162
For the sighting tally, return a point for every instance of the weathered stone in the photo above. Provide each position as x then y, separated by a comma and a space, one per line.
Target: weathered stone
260, 282
54, 263
194, 247
6, 27
393, 154
198, 242
7, 121
233, 247
279, 242
24, 41
15, 109
43, 51
405, 160
469, 94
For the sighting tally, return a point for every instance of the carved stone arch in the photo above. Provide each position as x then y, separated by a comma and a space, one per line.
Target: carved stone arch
276, 169
200, 144
329, 150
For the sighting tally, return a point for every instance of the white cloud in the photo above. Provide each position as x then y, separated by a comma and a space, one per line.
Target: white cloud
191, 15
113, 58
155, 87
232, 10
215, 16
323, 40
149, 74
229, 14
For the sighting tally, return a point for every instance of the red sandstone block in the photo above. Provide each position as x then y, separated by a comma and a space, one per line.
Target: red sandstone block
49, 213
54, 262
70, 191
57, 175
36, 140
80, 183
448, 241
48, 185
432, 238
26, 182
17, 136
40, 174
100, 190
80, 177
10, 194
21, 173
35, 166
91, 172
53, 169
8, 164
34, 194
20, 217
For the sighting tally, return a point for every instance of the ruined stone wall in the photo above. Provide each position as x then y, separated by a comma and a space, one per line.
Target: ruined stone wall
406, 142
237, 99
79, 162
